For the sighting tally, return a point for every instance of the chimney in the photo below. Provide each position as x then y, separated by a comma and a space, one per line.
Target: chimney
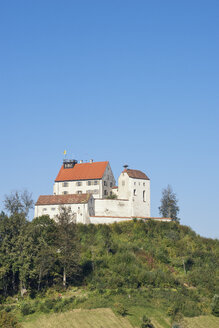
125, 166
91, 160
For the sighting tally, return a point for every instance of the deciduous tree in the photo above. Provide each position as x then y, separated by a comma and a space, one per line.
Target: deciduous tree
67, 243
19, 202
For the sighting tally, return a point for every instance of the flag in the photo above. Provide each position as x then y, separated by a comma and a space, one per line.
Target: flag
64, 152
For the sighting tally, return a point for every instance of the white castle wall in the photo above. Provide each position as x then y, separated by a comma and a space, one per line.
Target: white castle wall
107, 220
112, 207
81, 212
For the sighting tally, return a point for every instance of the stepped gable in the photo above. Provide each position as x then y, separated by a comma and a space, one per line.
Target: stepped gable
63, 199
82, 171
136, 174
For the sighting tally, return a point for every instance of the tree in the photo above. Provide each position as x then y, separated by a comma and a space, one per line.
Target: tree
169, 202
18, 202
67, 243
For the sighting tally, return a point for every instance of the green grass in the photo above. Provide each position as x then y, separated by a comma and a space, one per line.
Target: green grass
208, 321
105, 318
97, 318
158, 318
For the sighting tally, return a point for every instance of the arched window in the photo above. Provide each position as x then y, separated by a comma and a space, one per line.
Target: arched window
144, 196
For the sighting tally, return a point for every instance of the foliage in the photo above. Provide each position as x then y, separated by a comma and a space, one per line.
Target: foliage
18, 202
169, 207
146, 322
7, 320
215, 306
113, 196
67, 243
120, 309
162, 262
26, 308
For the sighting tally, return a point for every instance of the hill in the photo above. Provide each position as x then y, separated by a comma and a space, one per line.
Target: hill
163, 270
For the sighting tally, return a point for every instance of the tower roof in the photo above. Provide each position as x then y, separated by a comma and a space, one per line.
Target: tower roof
136, 174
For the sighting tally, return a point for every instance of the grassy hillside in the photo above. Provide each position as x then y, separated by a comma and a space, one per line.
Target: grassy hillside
97, 318
203, 322
162, 270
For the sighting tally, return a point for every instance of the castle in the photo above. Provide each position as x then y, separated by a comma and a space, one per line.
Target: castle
89, 190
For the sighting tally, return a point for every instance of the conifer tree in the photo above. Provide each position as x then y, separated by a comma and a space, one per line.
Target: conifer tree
169, 207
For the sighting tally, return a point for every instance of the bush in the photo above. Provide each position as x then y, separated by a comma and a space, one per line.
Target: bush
7, 320
120, 309
215, 306
146, 322
59, 307
26, 308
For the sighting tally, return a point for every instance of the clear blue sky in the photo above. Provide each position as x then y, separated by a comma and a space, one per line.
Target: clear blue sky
133, 82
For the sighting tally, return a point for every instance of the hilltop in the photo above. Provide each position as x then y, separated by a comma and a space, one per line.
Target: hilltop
163, 270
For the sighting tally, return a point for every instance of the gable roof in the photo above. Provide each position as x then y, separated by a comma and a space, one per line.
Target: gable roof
63, 199
136, 174
82, 171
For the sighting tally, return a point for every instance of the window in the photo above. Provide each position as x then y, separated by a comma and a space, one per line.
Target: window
96, 182
144, 196
89, 183
65, 184
53, 209
79, 183
111, 193
65, 192
139, 183
111, 184
44, 209
143, 183
134, 192
134, 183
79, 192
105, 192
105, 183
123, 182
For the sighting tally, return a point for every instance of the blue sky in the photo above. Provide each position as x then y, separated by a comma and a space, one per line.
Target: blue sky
133, 82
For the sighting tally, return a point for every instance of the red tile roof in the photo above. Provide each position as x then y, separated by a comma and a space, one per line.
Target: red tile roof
63, 199
136, 174
82, 171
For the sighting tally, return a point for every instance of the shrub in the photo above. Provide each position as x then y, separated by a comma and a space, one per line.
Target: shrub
8, 308
26, 308
146, 322
215, 306
120, 309
7, 320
